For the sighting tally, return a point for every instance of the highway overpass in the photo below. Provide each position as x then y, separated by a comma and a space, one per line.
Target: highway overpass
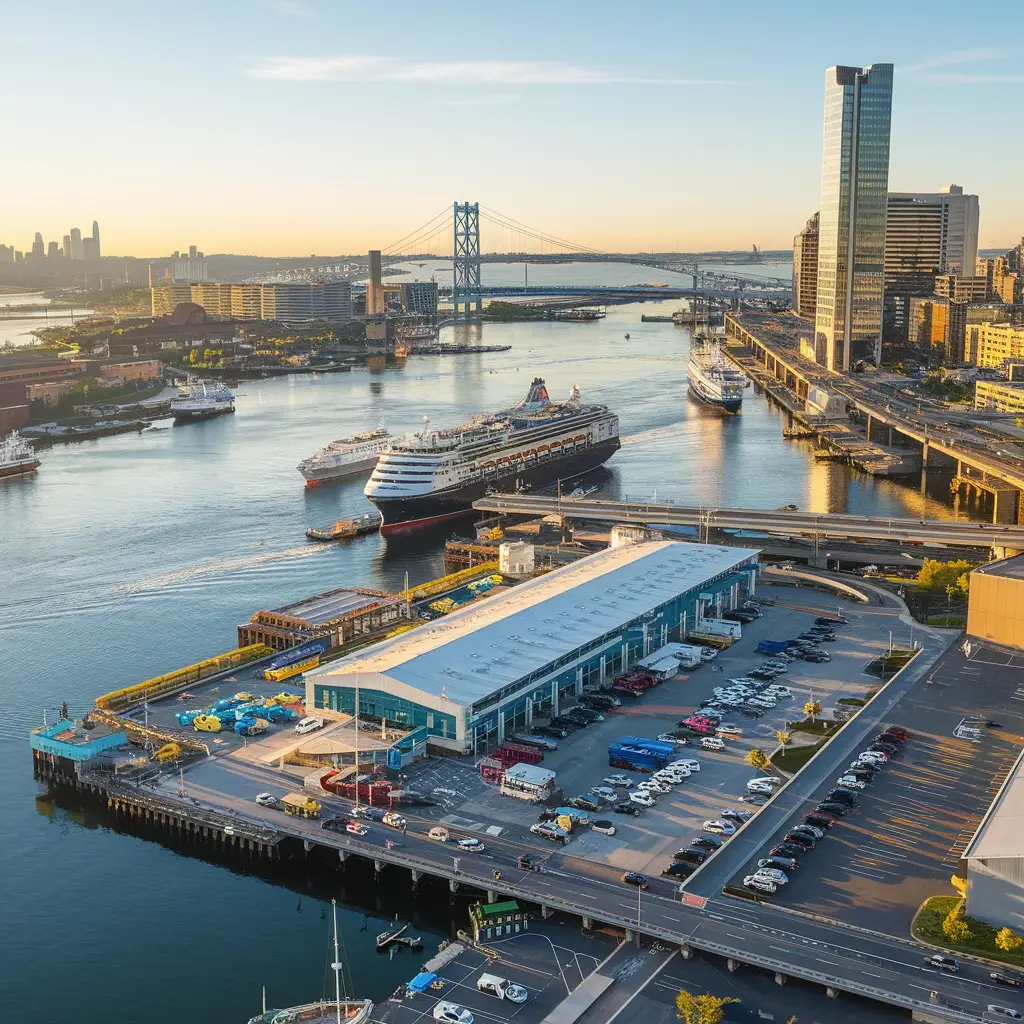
998, 539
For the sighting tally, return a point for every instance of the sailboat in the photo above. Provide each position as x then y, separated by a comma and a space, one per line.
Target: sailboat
351, 1011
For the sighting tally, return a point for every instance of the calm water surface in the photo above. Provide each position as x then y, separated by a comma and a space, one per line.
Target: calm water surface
130, 556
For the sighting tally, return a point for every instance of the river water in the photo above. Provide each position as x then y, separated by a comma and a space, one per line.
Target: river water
16, 326
132, 555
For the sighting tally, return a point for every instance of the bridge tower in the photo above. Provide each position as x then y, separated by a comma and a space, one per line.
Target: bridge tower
466, 257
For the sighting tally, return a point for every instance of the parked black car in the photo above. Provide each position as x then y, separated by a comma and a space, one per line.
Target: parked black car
885, 748
842, 796
627, 807
819, 820
784, 863
818, 657
825, 620
799, 839
584, 803
787, 850
679, 869
708, 842
554, 731
586, 714
832, 807
691, 855
561, 722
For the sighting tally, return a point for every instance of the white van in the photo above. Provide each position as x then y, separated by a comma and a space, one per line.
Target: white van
712, 743
501, 987
308, 725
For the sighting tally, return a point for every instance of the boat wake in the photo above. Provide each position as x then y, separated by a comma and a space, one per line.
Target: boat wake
654, 434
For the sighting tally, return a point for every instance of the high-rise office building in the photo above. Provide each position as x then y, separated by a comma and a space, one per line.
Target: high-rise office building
851, 239
96, 236
805, 270
53, 251
67, 247
38, 248
958, 225
77, 253
90, 249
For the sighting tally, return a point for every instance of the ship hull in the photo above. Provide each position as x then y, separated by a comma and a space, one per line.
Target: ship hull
191, 415
422, 509
19, 468
726, 405
330, 474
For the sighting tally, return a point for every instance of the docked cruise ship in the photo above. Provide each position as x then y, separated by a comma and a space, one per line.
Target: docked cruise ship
711, 378
201, 399
435, 474
17, 456
345, 457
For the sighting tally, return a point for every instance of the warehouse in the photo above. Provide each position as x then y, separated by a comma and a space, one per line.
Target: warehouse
995, 858
995, 609
482, 672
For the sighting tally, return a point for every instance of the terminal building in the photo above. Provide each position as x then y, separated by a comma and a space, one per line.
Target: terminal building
479, 674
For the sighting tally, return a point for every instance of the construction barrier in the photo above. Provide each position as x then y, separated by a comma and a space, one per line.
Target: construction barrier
160, 686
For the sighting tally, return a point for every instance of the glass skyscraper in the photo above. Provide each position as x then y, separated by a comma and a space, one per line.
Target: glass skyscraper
851, 241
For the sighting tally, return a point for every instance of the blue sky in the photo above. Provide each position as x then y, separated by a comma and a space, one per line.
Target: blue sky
325, 126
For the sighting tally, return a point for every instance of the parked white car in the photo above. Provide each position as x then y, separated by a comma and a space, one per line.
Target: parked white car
309, 725
689, 763
776, 875
850, 782
643, 798
872, 755
712, 743
719, 827
620, 781
725, 729
763, 884
452, 1013
651, 786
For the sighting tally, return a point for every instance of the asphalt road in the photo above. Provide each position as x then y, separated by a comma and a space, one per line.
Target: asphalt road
825, 525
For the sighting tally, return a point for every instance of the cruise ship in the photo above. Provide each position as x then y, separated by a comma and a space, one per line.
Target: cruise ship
201, 399
712, 380
437, 474
345, 457
17, 456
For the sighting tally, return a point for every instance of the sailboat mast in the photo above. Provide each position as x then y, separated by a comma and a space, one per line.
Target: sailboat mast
337, 961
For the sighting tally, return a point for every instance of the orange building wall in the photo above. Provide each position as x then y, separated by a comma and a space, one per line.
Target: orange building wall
995, 610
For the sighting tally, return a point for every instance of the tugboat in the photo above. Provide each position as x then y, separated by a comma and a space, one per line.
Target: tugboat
17, 456
346, 529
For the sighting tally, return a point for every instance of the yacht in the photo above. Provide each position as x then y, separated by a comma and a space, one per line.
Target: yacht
345, 457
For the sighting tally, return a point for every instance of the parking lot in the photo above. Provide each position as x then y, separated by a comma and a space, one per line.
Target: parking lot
549, 961
906, 836
646, 843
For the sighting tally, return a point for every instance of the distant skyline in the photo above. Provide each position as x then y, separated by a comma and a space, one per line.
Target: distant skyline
291, 127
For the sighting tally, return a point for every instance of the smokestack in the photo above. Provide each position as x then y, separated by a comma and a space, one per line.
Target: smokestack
374, 289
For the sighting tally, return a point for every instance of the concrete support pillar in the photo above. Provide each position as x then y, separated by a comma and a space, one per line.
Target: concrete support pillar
307, 845
685, 951
378, 866
545, 912
453, 886
492, 896
343, 855
780, 978
890, 435
632, 936
588, 924
831, 993
415, 877
870, 421
732, 965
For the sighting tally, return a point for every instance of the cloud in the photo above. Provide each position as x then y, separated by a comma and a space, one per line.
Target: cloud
976, 54
365, 68
291, 8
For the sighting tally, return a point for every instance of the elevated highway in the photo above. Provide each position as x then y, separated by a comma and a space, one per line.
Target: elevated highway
994, 537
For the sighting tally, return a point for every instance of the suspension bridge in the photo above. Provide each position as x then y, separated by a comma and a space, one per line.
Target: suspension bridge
455, 233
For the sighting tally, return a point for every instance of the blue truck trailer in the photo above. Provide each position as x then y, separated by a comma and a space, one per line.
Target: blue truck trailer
772, 646
638, 759
660, 747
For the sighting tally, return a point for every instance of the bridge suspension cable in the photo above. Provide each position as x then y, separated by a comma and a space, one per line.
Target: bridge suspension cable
511, 224
435, 226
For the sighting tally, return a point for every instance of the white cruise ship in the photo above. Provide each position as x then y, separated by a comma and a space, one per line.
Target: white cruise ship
201, 399
17, 456
436, 474
712, 379
345, 457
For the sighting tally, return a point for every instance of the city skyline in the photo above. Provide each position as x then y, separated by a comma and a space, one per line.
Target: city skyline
657, 133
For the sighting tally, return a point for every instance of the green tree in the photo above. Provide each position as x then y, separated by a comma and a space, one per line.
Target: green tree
812, 709
1008, 940
702, 1009
955, 927
758, 759
784, 737
963, 583
936, 575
